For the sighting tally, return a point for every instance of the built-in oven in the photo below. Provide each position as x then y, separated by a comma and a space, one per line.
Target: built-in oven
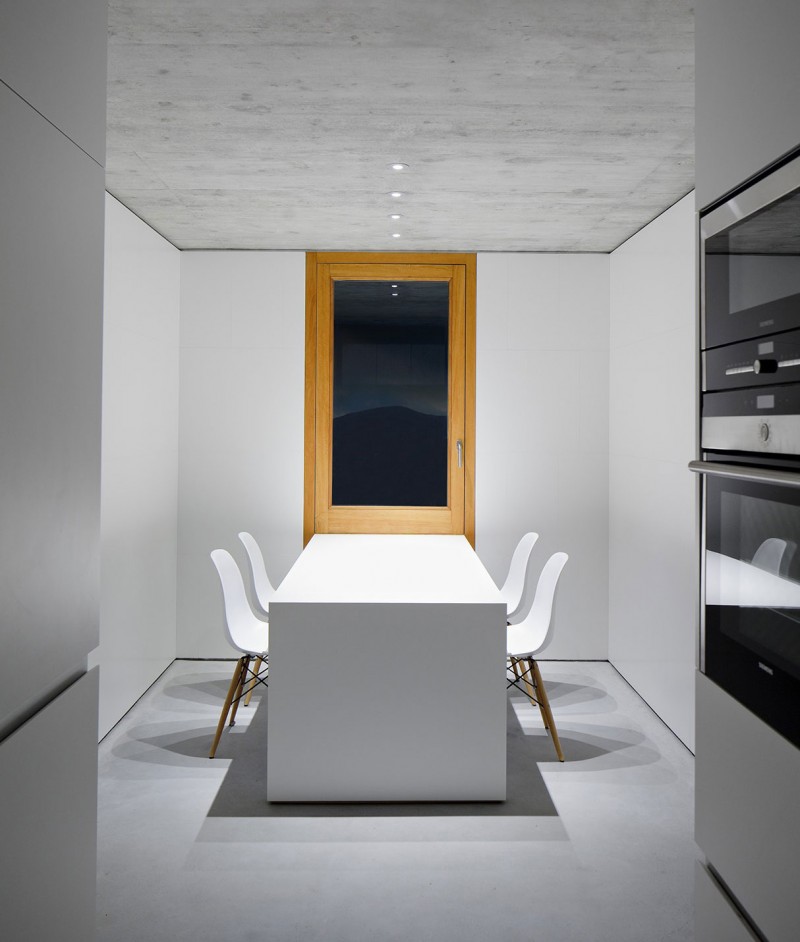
751, 585
750, 448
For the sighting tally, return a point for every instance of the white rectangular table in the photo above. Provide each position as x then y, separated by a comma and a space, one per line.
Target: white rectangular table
387, 673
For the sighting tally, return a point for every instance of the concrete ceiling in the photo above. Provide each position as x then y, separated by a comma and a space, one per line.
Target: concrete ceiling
527, 125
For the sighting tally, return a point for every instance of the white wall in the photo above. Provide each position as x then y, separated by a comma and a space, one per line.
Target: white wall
241, 425
139, 502
652, 556
542, 425
542, 429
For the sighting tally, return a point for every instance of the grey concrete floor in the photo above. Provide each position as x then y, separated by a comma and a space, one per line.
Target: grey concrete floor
599, 849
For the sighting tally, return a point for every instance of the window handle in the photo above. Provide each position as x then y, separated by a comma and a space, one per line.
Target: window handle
460, 450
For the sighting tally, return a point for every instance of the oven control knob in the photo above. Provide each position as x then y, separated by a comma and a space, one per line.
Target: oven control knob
764, 431
765, 366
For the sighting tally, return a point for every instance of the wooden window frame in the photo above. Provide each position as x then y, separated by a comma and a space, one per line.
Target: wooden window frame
378, 259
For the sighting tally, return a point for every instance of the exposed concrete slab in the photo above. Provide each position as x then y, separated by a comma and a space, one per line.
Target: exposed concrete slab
555, 125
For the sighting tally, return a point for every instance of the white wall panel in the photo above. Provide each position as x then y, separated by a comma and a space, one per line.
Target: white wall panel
139, 503
53, 54
542, 425
51, 277
747, 76
48, 820
652, 557
542, 429
241, 425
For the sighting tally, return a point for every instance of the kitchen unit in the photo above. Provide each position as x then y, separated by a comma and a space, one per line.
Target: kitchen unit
748, 685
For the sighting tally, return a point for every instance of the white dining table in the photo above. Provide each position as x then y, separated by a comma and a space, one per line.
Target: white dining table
387, 673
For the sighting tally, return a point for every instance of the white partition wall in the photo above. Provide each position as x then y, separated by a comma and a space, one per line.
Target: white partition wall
542, 429
241, 425
652, 557
139, 506
542, 426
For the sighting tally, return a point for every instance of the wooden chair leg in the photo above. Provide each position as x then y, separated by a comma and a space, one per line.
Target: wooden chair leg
253, 682
239, 688
525, 677
237, 674
547, 713
536, 698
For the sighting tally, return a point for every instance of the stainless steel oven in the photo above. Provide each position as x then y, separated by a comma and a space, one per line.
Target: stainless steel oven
750, 448
751, 588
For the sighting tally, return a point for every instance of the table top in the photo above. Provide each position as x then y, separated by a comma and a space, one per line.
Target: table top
396, 568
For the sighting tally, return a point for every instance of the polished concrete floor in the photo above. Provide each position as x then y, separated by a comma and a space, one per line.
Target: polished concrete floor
598, 849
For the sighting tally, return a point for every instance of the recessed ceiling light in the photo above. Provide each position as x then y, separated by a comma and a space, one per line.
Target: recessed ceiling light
395, 235
395, 294
394, 216
394, 286
399, 166
395, 194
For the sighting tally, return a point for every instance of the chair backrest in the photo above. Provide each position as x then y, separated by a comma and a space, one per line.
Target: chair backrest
514, 586
240, 622
262, 587
774, 555
533, 632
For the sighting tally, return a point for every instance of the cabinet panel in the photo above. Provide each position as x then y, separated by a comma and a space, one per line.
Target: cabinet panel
54, 55
51, 298
746, 820
48, 819
747, 75
716, 920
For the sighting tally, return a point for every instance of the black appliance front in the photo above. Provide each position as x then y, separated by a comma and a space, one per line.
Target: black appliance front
751, 644
750, 446
751, 262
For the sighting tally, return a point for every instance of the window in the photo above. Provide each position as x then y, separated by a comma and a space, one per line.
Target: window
390, 403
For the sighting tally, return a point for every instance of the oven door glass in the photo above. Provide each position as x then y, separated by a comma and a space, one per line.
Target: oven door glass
752, 597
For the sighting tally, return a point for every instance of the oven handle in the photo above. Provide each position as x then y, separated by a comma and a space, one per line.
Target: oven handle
758, 475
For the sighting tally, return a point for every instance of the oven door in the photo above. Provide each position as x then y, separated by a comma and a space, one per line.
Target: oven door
750, 642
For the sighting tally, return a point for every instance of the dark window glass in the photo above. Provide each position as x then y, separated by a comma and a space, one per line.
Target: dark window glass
390, 387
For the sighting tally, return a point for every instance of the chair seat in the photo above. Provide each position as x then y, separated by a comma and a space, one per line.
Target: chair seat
253, 639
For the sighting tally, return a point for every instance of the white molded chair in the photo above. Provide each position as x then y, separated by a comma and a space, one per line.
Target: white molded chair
527, 637
262, 588
245, 631
775, 555
514, 586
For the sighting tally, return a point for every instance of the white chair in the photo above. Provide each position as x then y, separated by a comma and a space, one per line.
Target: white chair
775, 555
262, 589
245, 631
514, 586
527, 637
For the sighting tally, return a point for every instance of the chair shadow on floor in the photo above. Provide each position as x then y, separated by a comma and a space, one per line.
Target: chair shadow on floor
242, 793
